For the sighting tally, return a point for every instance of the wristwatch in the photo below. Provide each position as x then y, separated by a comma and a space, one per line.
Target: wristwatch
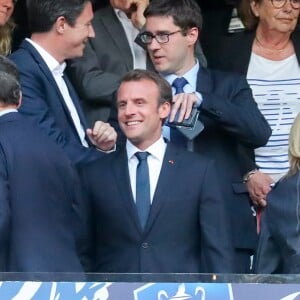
247, 176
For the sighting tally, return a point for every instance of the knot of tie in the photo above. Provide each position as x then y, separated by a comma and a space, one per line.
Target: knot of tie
141, 155
179, 84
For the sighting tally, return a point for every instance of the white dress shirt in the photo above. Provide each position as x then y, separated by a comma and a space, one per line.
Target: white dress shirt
191, 77
138, 53
155, 159
57, 71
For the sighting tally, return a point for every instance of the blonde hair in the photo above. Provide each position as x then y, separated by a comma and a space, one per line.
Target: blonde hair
5, 34
294, 147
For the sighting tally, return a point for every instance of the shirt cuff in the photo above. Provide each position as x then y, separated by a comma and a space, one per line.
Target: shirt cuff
108, 151
199, 100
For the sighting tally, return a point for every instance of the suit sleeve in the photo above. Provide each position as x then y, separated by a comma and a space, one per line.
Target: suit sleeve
232, 107
4, 211
217, 254
85, 220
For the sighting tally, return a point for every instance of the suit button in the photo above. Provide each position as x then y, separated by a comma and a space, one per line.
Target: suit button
145, 245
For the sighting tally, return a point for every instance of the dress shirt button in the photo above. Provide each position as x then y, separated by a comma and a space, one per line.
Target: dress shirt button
145, 245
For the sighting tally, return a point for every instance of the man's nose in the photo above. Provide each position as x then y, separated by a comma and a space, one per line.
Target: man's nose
154, 44
91, 31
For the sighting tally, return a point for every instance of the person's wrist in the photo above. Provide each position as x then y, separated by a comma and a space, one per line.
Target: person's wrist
248, 175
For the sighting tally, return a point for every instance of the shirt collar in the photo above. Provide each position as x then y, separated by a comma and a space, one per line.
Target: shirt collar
120, 14
6, 111
53, 65
157, 149
190, 76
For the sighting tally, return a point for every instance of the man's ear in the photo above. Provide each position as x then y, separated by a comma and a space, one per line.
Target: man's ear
164, 110
60, 24
20, 100
192, 35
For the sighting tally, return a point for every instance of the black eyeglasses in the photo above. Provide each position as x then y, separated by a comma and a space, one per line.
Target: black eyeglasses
281, 3
162, 38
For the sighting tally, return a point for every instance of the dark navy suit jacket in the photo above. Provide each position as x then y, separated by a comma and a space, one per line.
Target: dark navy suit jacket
44, 104
231, 117
279, 243
38, 198
187, 226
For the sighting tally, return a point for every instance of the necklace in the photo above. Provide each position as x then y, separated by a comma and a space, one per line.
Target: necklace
260, 44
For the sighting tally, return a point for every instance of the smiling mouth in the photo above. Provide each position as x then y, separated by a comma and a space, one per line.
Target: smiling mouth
133, 123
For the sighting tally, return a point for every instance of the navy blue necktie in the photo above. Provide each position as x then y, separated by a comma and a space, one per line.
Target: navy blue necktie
179, 84
184, 136
175, 136
142, 187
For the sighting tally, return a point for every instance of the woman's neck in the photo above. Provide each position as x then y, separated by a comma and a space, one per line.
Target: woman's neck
272, 45
273, 41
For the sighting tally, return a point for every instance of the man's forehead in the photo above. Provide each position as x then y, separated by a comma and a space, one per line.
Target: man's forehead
159, 22
142, 86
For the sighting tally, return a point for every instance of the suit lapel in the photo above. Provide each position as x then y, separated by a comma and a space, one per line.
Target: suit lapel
44, 68
204, 82
75, 100
118, 35
168, 174
120, 170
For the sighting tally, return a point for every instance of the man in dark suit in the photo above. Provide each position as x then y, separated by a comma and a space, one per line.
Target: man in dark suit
181, 225
108, 56
38, 191
60, 30
225, 104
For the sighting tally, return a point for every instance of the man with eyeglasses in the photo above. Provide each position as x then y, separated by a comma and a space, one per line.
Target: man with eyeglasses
227, 110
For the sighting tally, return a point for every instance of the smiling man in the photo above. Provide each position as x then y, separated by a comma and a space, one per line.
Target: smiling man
139, 223
60, 30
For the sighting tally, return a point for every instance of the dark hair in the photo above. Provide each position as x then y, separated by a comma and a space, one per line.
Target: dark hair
186, 13
42, 14
164, 88
10, 89
247, 16
7, 66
